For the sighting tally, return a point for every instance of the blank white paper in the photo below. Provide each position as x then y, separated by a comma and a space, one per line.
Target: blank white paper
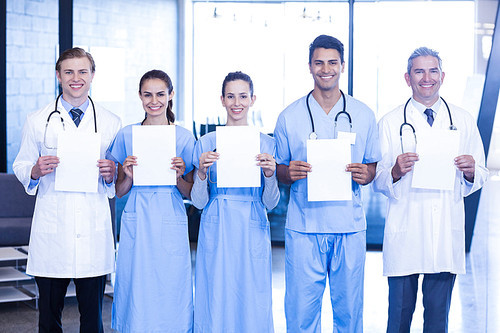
328, 180
435, 169
238, 147
154, 146
78, 155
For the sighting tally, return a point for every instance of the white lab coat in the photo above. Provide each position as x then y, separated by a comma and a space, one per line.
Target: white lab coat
424, 229
71, 232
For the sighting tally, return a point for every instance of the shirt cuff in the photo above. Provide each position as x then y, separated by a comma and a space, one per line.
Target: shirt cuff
467, 183
33, 183
269, 180
197, 178
108, 185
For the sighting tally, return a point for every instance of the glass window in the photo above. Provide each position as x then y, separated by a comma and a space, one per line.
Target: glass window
268, 41
127, 39
387, 32
32, 39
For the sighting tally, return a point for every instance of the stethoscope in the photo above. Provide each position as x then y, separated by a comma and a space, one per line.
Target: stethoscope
313, 135
405, 123
62, 120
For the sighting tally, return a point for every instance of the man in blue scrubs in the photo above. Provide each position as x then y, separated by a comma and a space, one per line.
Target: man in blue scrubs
325, 238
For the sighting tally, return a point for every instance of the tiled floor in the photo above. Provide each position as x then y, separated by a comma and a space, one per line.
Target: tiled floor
19, 318
475, 303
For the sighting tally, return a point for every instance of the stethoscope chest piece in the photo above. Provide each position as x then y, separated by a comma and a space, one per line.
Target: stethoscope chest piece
313, 136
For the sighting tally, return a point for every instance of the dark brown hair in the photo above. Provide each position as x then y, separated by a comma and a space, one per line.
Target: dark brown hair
326, 42
233, 76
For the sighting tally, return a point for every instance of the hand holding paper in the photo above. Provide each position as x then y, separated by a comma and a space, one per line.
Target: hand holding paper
298, 170
404, 164
267, 163
362, 173
179, 166
128, 166
107, 170
44, 165
467, 165
207, 159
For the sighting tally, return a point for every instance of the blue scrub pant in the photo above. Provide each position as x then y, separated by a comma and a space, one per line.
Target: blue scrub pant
89, 293
436, 292
309, 259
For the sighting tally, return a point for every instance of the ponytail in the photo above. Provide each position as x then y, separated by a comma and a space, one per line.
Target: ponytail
170, 113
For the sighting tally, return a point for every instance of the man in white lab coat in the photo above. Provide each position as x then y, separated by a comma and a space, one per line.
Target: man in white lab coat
424, 228
71, 234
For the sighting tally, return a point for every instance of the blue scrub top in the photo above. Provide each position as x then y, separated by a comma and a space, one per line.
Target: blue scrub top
208, 143
291, 134
122, 145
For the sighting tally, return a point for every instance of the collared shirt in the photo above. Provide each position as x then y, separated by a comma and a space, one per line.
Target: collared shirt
421, 108
68, 107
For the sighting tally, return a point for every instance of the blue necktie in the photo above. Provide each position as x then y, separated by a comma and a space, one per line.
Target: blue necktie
430, 116
76, 114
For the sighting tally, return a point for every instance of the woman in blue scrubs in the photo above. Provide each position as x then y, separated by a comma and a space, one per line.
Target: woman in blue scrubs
153, 287
233, 260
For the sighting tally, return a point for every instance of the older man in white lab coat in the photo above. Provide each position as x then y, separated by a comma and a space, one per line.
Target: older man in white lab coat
424, 230
71, 234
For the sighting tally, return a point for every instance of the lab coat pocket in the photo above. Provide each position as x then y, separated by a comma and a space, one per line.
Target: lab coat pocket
128, 230
174, 235
45, 215
102, 213
209, 233
260, 240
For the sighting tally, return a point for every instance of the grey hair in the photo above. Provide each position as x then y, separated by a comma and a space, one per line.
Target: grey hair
422, 52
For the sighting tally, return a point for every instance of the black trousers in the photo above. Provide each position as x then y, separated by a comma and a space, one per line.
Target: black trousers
89, 294
436, 292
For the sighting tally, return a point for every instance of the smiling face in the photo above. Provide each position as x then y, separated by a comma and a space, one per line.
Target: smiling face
425, 79
75, 76
237, 100
325, 68
155, 97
